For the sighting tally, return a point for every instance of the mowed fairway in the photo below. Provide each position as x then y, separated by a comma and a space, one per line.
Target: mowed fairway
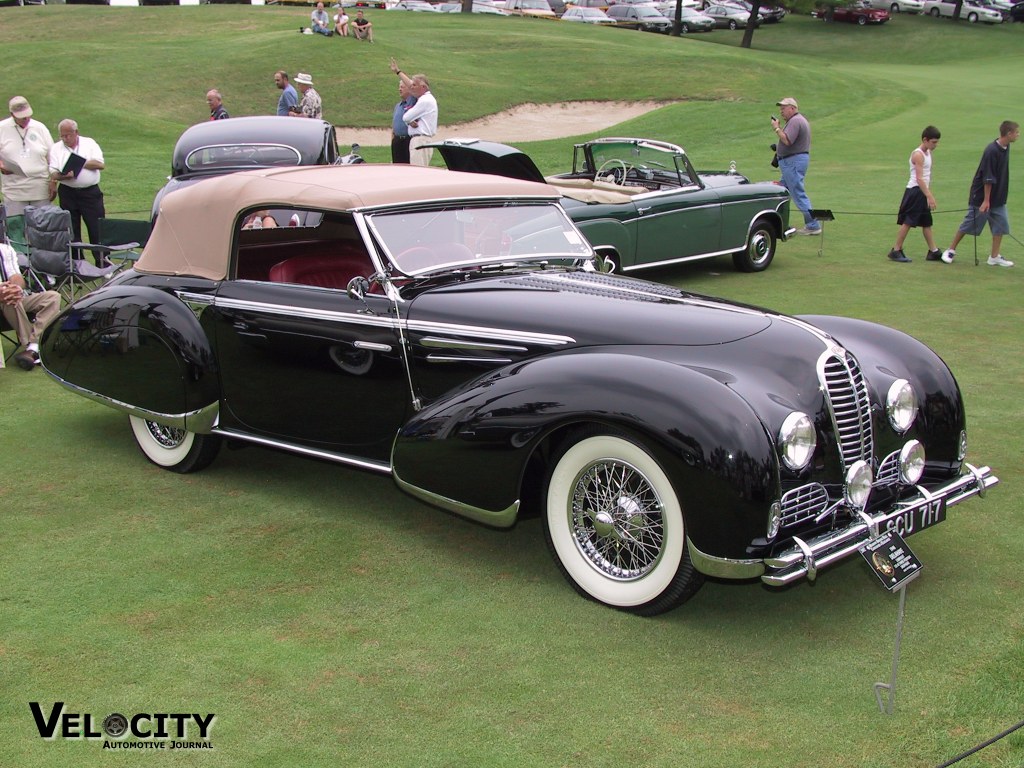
327, 619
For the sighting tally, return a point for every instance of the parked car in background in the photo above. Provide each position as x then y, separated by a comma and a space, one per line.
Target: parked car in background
643, 204
1017, 12
217, 147
729, 16
588, 16
414, 5
451, 331
477, 7
538, 8
691, 20
970, 11
643, 17
769, 14
898, 6
599, 4
857, 12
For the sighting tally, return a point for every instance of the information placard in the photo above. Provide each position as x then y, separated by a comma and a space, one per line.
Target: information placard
891, 560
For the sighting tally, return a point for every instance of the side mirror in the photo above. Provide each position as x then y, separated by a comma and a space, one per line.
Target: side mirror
357, 288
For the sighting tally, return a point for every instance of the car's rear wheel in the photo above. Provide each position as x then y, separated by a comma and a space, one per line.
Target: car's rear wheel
615, 527
973, 18
177, 450
732, 24
895, 7
862, 20
935, 12
683, 29
760, 250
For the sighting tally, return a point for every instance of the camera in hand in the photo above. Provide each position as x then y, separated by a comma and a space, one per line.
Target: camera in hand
775, 157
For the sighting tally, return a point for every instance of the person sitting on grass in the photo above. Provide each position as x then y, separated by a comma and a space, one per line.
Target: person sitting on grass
341, 23
320, 22
362, 27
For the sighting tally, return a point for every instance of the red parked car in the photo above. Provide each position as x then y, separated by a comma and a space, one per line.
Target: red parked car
858, 12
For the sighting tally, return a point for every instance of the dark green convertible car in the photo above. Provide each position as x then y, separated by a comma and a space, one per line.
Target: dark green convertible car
642, 204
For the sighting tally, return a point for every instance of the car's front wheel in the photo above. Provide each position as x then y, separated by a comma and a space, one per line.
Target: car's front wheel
935, 12
175, 449
732, 24
615, 525
862, 20
760, 250
972, 18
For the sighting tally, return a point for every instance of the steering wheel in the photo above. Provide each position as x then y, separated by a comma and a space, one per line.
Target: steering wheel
619, 170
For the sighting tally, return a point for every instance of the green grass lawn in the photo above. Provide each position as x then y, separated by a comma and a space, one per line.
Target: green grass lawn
329, 620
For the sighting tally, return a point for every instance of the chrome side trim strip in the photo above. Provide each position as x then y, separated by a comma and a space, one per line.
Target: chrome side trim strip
338, 458
724, 567
682, 259
455, 359
438, 343
500, 518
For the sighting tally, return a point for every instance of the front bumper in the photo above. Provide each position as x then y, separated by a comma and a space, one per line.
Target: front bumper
806, 557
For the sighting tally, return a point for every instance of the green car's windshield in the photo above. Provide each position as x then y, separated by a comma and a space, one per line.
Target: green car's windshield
662, 159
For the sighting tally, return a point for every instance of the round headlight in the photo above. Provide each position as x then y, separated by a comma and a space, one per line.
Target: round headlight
901, 405
797, 440
911, 462
858, 484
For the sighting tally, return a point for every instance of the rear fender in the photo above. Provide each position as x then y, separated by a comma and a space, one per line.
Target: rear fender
136, 349
472, 447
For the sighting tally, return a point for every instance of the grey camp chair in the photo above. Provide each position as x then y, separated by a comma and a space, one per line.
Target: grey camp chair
56, 257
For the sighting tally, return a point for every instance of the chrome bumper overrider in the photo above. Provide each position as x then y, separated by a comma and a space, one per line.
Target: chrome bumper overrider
804, 559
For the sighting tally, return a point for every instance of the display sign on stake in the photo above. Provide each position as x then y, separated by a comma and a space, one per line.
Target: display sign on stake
895, 565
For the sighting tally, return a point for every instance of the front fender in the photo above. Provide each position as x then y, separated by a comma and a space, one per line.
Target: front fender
133, 348
473, 445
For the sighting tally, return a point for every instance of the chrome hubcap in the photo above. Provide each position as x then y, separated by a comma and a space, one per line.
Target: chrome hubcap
166, 437
617, 520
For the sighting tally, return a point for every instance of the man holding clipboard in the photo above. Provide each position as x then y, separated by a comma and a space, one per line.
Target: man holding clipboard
75, 165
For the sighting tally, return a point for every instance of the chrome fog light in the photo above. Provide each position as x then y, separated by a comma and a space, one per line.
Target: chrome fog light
961, 451
911, 462
901, 405
797, 440
774, 520
858, 484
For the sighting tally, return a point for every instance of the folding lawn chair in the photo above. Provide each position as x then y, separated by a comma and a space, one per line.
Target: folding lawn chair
55, 257
124, 239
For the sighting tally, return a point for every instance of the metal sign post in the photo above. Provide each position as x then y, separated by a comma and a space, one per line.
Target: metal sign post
896, 566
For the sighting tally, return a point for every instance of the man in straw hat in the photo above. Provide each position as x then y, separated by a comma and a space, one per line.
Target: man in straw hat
24, 159
310, 105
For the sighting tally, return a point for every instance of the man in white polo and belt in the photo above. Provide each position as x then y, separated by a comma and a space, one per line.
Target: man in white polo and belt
421, 117
75, 165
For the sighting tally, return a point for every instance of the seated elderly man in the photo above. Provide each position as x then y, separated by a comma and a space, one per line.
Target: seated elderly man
320, 22
17, 306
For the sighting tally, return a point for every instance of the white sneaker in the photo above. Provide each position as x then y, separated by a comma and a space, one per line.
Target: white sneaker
948, 255
999, 261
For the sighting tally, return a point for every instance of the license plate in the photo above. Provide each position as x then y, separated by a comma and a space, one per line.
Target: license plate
910, 522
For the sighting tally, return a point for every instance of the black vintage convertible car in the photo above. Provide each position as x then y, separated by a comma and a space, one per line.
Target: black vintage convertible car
453, 331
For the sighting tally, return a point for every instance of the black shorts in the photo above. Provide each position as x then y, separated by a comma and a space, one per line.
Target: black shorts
914, 209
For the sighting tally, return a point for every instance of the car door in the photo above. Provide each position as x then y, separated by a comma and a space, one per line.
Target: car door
307, 364
677, 225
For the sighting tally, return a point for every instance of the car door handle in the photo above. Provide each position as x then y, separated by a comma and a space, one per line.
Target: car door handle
643, 210
244, 329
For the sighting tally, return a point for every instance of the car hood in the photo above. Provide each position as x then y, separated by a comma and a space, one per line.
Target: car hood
587, 308
477, 156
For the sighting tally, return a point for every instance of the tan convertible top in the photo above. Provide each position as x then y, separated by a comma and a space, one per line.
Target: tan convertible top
194, 230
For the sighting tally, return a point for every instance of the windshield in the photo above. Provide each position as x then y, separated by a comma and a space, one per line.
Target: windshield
241, 156
449, 238
665, 163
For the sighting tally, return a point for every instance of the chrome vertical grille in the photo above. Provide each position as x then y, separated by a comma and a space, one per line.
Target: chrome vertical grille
849, 403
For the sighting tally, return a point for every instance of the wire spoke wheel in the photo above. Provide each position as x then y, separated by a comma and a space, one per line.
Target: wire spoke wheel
614, 525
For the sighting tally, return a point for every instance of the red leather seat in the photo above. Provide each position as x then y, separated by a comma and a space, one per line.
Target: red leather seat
321, 271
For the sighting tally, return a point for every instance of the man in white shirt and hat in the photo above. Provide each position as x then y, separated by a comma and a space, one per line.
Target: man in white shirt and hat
24, 158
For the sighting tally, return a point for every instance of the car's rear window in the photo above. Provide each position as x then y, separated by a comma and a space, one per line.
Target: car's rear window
241, 156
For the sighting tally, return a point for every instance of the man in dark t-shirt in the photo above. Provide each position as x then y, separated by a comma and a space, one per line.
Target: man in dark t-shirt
990, 189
